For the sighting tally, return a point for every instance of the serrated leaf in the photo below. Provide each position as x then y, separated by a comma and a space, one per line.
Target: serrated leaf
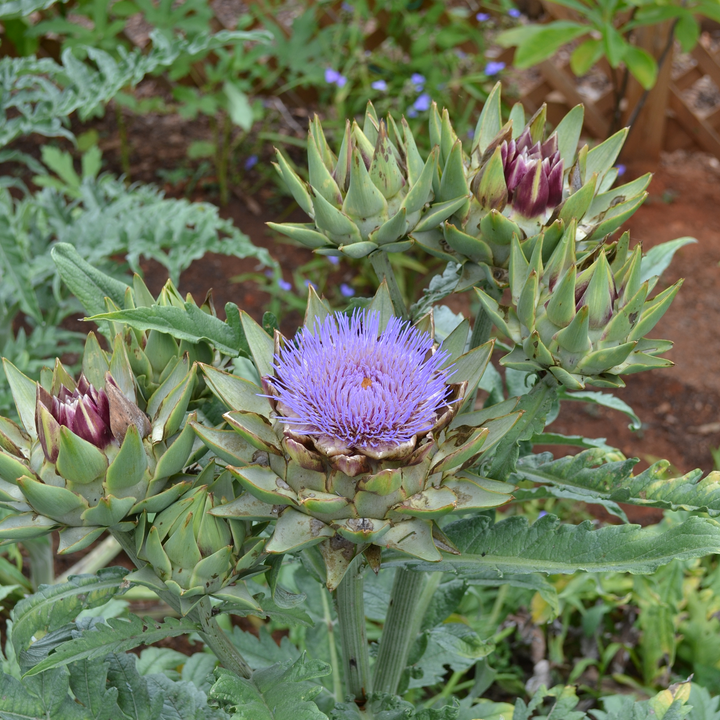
188, 323
56, 605
89, 285
549, 546
595, 480
280, 692
118, 635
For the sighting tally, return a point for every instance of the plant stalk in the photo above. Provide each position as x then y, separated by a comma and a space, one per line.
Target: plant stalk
399, 631
212, 633
351, 623
42, 561
334, 660
383, 269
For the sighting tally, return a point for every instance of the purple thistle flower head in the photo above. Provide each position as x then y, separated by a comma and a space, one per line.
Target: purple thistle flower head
533, 174
351, 386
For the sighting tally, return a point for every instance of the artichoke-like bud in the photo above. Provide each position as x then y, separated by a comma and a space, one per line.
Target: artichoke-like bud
359, 443
193, 553
584, 321
92, 455
526, 182
533, 174
371, 196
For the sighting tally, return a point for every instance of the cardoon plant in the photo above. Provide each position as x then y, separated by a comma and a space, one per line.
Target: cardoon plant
215, 451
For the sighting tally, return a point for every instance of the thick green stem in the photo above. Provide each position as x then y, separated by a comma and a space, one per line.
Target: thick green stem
219, 642
42, 561
334, 661
383, 269
212, 633
400, 630
351, 623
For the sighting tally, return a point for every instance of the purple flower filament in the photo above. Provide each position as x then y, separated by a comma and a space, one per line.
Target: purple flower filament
348, 380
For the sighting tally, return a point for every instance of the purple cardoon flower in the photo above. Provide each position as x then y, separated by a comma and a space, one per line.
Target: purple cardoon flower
418, 81
85, 411
482, 17
346, 290
251, 162
379, 85
533, 174
284, 285
494, 67
422, 103
348, 384
514, 13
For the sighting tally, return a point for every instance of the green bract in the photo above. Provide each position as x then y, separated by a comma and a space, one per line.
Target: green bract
375, 193
583, 320
362, 501
194, 553
479, 233
81, 470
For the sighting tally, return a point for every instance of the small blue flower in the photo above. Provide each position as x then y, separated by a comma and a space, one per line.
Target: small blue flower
340, 82
331, 76
347, 7
494, 67
310, 283
379, 85
514, 13
422, 103
334, 259
346, 290
482, 17
621, 170
471, 133
542, 513
251, 162
412, 113
269, 273
418, 81
284, 285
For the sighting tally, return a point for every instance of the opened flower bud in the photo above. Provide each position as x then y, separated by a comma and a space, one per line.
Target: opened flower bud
363, 445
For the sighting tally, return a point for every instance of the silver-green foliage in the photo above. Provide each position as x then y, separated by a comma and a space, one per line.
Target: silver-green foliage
39, 94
